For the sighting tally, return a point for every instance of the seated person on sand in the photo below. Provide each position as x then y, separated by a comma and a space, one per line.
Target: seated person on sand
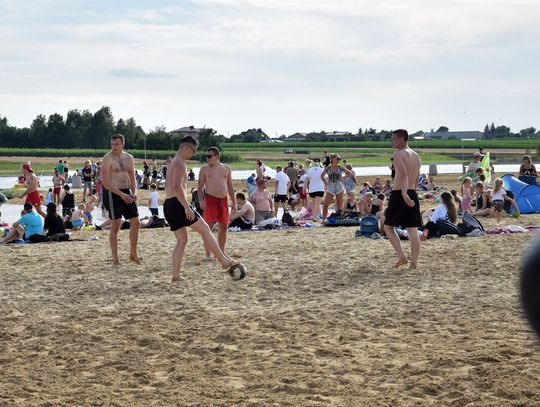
29, 226
367, 188
351, 206
483, 202
145, 222
89, 208
377, 206
262, 202
422, 182
430, 186
53, 223
377, 185
387, 189
446, 210
78, 219
457, 200
366, 204
244, 216
294, 201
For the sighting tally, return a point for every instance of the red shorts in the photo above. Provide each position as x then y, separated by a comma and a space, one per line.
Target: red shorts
217, 210
56, 190
34, 198
302, 193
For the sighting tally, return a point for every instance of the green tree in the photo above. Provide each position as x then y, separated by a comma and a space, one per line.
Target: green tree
208, 138
38, 132
101, 129
528, 132
57, 132
442, 129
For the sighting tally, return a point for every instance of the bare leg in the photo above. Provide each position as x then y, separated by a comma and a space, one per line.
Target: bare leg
178, 253
415, 246
133, 239
339, 201
328, 198
210, 242
396, 244
113, 240
14, 233
222, 236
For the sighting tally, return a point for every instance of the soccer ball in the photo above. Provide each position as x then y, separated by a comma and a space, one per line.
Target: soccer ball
237, 272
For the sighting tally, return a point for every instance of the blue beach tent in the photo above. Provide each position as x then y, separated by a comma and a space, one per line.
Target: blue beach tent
527, 196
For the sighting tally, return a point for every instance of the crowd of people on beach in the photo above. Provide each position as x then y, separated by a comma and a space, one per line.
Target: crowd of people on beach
308, 192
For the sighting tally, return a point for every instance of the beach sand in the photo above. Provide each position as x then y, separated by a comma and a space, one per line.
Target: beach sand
322, 319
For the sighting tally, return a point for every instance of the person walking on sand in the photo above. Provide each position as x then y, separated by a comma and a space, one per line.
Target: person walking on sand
403, 206
57, 181
179, 214
120, 196
215, 185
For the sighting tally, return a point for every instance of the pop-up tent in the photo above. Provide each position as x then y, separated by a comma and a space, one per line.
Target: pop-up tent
527, 196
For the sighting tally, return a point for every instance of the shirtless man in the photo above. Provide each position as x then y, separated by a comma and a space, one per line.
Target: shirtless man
57, 181
215, 183
120, 196
262, 201
403, 205
32, 192
179, 214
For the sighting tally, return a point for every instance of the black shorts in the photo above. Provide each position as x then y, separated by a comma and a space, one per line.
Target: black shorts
280, 198
116, 206
175, 214
317, 193
399, 214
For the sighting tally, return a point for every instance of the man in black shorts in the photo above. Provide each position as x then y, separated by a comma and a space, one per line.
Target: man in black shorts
403, 205
120, 196
179, 214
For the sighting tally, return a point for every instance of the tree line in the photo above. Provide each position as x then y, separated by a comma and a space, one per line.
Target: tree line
84, 129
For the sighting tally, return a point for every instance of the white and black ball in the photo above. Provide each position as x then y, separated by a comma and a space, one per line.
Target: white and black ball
237, 272
530, 285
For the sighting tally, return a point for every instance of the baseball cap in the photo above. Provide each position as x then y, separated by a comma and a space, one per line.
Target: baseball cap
27, 167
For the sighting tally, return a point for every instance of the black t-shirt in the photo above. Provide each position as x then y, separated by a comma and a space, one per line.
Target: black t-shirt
53, 225
69, 201
87, 174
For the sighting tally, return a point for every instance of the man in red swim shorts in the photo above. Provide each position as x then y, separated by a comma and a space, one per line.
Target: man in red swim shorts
214, 188
33, 195
57, 181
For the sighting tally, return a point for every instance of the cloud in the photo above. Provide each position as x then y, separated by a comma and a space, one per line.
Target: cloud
139, 73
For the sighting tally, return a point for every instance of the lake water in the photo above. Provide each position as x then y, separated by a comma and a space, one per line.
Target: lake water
46, 182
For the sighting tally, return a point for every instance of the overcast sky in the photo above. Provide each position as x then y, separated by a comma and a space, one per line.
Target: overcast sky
280, 65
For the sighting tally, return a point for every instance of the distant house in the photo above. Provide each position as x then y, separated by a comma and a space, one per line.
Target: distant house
297, 137
454, 134
188, 131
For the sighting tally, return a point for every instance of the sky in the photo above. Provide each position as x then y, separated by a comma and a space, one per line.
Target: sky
280, 65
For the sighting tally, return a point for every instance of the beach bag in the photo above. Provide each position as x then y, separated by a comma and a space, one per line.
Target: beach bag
287, 219
447, 228
471, 222
369, 224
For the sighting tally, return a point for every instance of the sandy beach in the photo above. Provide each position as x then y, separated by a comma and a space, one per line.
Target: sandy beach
321, 319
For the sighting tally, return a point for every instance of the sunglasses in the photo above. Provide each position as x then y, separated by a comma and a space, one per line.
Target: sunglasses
210, 155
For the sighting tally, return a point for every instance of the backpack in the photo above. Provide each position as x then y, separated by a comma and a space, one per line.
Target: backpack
471, 222
287, 219
445, 227
195, 203
369, 224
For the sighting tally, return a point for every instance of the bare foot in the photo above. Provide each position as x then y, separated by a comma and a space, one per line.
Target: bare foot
115, 263
177, 279
412, 266
134, 258
229, 263
401, 262
208, 257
